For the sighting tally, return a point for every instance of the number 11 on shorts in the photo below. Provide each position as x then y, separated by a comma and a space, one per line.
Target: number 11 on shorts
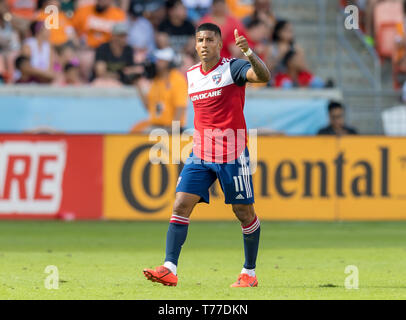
238, 183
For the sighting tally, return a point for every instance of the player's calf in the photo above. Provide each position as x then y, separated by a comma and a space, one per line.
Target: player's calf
250, 226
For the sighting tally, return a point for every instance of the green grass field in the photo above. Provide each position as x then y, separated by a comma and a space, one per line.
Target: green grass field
104, 260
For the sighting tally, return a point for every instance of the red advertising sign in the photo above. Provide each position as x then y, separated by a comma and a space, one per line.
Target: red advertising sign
51, 177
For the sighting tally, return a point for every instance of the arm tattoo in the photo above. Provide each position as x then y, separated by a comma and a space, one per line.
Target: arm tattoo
259, 67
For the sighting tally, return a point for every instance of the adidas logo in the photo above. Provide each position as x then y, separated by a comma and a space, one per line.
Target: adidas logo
240, 197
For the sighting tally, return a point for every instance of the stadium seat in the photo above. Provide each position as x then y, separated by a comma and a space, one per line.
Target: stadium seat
387, 15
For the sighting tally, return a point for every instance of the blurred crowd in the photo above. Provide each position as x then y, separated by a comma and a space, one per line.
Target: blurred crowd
129, 42
383, 23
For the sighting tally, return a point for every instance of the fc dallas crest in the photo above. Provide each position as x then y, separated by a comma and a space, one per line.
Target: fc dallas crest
217, 78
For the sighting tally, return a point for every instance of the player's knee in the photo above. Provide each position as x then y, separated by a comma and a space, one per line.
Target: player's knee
182, 208
244, 213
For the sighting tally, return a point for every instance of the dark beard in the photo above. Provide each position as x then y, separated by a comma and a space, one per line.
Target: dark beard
100, 9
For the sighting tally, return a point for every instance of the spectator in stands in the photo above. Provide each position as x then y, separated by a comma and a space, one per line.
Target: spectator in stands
263, 12
63, 39
283, 41
141, 32
38, 48
94, 23
9, 43
258, 38
29, 74
220, 16
65, 32
197, 9
155, 12
367, 9
180, 30
22, 14
123, 4
68, 7
287, 60
23, 9
9, 39
71, 76
166, 100
295, 74
114, 59
337, 123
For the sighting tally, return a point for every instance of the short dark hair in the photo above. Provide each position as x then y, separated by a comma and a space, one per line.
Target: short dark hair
209, 27
70, 66
35, 27
136, 8
19, 61
334, 105
172, 3
280, 24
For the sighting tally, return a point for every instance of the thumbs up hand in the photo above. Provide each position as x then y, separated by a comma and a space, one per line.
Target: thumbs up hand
240, 41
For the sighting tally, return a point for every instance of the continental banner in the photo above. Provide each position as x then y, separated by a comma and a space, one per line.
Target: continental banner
50, 177
296, 178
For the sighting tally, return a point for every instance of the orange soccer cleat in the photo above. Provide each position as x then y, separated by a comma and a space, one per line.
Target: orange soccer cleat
162, 275
244, 280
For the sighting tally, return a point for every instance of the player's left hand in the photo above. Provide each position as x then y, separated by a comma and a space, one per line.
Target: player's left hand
240, 41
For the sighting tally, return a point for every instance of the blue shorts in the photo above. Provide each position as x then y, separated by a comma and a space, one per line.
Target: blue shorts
235, 179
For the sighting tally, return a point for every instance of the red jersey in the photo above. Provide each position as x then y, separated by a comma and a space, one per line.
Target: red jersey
218, 98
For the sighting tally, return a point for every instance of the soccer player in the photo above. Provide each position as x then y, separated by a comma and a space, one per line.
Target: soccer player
216, 87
